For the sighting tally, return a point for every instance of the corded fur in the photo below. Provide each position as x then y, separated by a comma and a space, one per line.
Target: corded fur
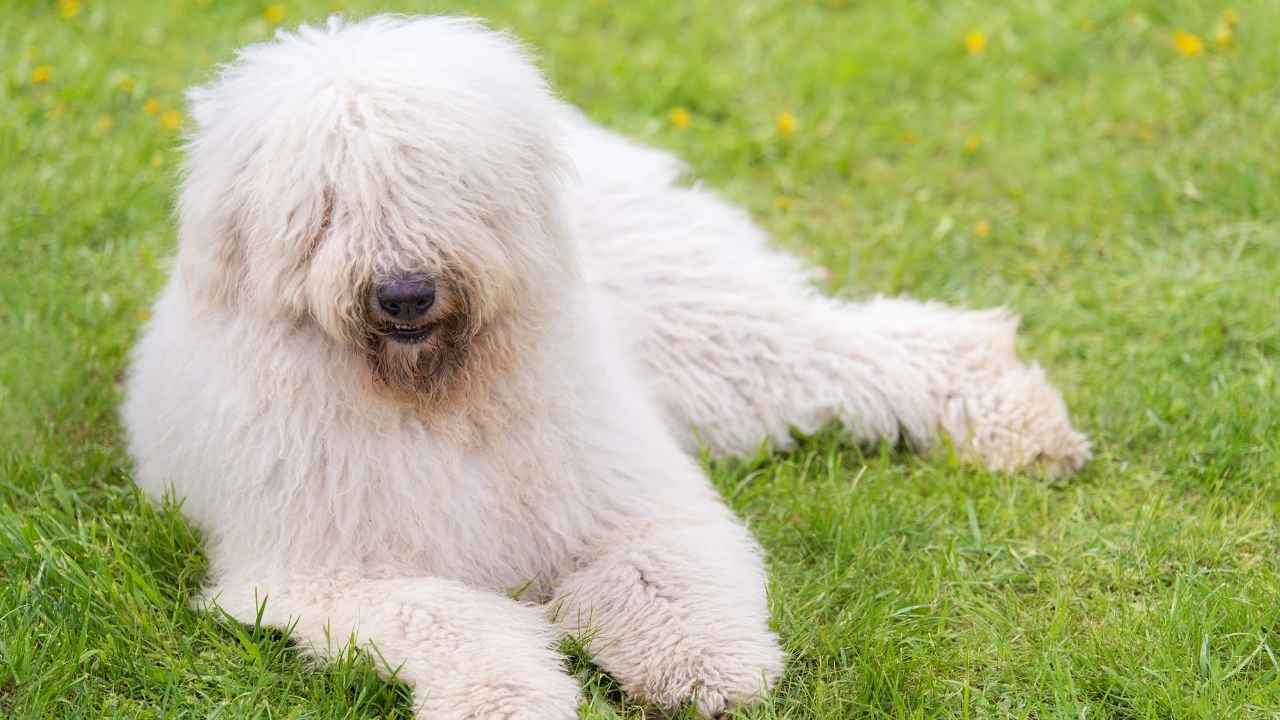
593, 318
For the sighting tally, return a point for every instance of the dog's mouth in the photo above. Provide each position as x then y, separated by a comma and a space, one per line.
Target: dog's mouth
407, 334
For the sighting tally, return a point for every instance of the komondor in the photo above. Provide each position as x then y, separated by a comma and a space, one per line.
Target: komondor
432, 336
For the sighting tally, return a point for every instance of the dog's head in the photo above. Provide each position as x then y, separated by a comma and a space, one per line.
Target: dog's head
394, 183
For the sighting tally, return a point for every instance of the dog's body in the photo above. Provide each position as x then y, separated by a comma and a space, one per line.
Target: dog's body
585, 329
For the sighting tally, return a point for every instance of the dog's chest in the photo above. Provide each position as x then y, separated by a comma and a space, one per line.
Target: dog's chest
500, 515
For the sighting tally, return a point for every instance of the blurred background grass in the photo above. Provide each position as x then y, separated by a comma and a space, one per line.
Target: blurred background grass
1109, 169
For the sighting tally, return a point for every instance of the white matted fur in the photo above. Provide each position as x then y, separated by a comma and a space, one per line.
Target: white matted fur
591, 318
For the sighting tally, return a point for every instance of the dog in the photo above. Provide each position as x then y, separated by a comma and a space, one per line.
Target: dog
432, 336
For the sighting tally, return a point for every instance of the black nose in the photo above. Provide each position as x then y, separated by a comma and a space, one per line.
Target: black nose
405, 299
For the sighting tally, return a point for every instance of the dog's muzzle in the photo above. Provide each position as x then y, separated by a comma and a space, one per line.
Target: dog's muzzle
401, 304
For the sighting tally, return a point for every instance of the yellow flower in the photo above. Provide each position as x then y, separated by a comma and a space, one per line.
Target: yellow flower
680, 117
1230, 17
42, 74
127, 84
1223, 37
274, 14
156, 160
783, 202
104, 123
787, 124
1188, 44
982, 229
972, 143
68, 8
171, 119
151, 106
975, 43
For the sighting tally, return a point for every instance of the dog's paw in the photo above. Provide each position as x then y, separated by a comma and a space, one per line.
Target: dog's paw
1014, 421
672, 653
715, 678
511, 707
672, 622
997, 411
540, 694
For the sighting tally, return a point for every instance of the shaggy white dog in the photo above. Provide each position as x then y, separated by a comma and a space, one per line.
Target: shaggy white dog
432, 336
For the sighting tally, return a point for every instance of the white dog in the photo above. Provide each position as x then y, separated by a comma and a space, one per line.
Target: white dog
431, 336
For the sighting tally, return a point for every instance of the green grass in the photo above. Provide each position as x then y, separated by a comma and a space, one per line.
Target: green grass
1132, 196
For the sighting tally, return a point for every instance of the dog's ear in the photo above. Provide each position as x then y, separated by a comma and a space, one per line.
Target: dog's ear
211, 256
210, 260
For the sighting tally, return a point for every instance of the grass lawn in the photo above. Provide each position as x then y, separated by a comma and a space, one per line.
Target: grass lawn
1114, 181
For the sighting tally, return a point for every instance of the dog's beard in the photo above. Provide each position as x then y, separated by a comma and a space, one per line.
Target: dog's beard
421, 370
470, 344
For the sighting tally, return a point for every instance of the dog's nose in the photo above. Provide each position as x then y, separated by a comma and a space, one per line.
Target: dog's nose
405, 299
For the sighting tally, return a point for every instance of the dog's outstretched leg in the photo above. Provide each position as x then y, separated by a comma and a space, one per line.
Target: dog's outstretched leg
736, 361
467, 653
675, 610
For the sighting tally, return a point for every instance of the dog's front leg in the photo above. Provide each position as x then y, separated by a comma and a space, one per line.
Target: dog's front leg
675, 610
467, 653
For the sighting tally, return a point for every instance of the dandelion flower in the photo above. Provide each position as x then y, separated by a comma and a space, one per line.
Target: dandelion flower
1223, 37
68, 8
127, 84
787, 124
274, 14
1188, 44
151, 106
782, 202
975, 43
1230, 17
42, 74
982, 229
972, 143
171, 119
680, 117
